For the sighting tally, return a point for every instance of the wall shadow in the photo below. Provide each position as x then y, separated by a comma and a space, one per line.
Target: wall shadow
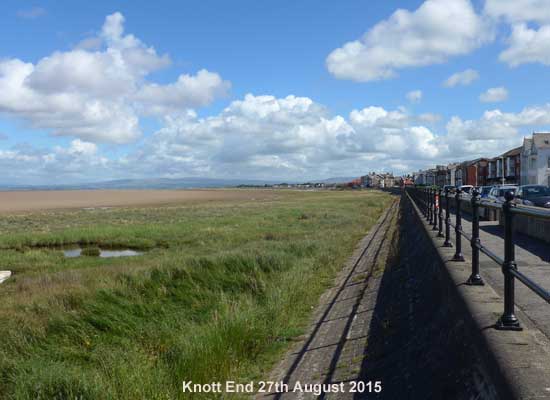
419, 345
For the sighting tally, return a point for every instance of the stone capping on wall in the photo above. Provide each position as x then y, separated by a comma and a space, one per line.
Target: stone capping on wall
519, 362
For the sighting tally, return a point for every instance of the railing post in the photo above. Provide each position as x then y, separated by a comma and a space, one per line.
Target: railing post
424, 202
440, 217
447, 242
475, 278
430, 197
458, 228
436, 210
427, 204
508, 321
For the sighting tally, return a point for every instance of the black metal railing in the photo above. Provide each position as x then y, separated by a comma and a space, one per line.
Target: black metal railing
430, 200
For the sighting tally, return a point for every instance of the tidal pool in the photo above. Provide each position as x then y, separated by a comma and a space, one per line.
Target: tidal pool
103, 253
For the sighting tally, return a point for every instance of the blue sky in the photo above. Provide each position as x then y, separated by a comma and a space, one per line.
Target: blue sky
105, 90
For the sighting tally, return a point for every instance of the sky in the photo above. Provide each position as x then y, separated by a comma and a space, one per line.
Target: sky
286, 90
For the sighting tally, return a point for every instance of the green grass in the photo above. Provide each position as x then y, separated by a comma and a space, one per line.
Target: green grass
220, 292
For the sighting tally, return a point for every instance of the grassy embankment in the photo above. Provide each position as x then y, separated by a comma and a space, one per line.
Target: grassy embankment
222, 290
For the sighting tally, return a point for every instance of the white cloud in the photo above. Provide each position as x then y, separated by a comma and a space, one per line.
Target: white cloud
494, 95
527, 45
31, 13
283, 138
188, 91
79, 147
411, 39
429, 118
414, 96
529, 40
519, 10
248, 135
75, 163
463, 78
494, 132
392, 134
99, 95
291, 137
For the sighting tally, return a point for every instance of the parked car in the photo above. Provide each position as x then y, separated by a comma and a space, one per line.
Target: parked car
450, 187
466, 189
484, 191
497, 192
533, 195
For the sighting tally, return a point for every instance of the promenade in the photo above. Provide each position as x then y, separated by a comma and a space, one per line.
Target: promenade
532, 258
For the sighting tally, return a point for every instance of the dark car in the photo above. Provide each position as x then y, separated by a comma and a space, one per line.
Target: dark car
484, 191
451, 188
534, 195
496, 194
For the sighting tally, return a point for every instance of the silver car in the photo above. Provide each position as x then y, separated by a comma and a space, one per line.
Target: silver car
497, 192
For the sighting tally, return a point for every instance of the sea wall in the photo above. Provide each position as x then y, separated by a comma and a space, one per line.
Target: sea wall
508, 365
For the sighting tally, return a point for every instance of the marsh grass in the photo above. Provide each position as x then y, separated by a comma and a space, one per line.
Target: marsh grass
91, 252
223, 290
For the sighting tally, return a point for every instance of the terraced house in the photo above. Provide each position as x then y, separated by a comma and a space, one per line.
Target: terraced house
535, 160
528, 164
505, 168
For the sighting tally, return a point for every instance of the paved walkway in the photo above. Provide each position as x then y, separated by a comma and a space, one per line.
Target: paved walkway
386, 320
331, 352
532, 258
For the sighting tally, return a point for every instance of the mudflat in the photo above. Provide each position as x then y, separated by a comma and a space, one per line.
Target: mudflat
28, 201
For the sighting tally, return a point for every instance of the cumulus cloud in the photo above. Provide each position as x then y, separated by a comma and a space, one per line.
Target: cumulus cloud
250, 135
393, 134
99, 95
414, 96
463, 78
188, 91
494, 95
494, 132
519, 10
528, 41
76, 162
527, 45
292, 137
429, 118
411, 39
262, 136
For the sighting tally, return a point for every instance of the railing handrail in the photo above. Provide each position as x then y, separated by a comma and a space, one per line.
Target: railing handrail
521, 209
430, 205
543, 293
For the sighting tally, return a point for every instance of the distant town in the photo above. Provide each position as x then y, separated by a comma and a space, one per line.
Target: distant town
528, 164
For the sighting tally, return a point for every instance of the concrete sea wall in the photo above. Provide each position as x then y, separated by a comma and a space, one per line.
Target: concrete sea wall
499, 364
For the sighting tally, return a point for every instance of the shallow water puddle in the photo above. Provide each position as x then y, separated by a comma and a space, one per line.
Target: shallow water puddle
103, 253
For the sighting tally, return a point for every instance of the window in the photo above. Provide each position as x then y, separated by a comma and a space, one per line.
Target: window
531, 192
548, 162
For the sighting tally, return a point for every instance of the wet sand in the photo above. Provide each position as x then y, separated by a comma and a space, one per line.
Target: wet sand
29, 201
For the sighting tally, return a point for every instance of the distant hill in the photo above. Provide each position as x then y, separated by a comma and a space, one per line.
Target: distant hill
336, 180
156, 183
164, 183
